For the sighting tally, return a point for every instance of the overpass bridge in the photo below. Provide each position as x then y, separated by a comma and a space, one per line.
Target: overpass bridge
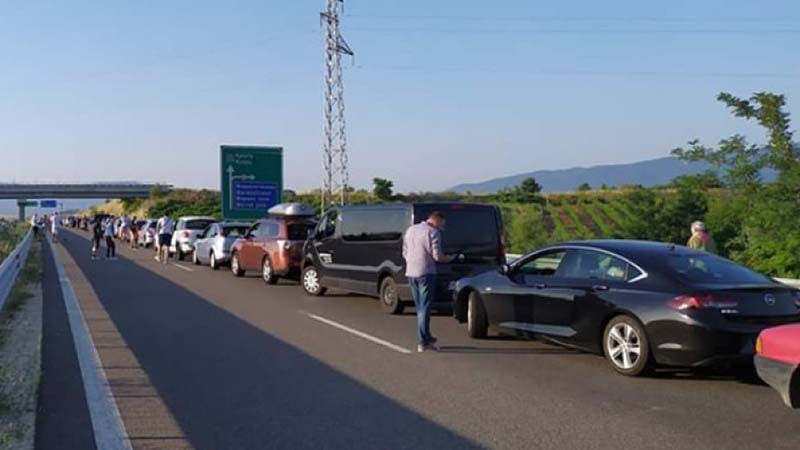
24, 192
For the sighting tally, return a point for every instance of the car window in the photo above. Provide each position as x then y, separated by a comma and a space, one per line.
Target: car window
254, 230
543, 264
208, 232
469, 229
592, 264
270, 230
383, 224
710, 269
327, 226
197, 224
235, 231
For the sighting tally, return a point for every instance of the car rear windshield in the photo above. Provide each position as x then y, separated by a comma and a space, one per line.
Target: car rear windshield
709, 269
471, 230
198, 224
235, 231
298, 231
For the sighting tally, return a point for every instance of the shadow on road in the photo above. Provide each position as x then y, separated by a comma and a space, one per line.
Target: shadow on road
231, 385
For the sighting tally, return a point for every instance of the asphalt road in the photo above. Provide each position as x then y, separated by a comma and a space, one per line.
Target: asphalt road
240, 365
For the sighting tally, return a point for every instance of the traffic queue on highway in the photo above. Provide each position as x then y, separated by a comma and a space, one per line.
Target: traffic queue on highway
642, 305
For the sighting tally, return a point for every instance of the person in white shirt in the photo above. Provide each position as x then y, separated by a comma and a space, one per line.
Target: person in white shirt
55, 225
164, 228
35, 225
111, 248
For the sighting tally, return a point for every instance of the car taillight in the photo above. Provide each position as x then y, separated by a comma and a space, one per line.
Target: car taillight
186, 234
223, 233
695, 302
759, 346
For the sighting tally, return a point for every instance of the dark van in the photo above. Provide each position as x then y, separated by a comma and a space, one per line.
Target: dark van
360, 249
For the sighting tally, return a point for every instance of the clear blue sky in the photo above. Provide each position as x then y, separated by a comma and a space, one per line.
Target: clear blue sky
440, 92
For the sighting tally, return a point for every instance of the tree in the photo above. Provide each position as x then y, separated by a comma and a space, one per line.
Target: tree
158, 191
529, 186
585, 187
700, 181
382, 189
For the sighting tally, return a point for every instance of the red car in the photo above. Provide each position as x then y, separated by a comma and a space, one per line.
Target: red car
273, 246
777, 361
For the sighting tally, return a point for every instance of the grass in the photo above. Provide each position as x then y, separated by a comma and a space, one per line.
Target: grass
13, 409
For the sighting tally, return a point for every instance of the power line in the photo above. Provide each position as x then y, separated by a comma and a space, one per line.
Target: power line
395, 29
578, 72
465, 18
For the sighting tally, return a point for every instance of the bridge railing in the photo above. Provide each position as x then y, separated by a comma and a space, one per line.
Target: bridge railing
11, 266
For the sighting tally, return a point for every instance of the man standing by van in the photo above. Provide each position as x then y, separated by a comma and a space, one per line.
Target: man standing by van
422, 249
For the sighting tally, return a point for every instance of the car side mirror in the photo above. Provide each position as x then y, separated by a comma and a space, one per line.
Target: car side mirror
505, 269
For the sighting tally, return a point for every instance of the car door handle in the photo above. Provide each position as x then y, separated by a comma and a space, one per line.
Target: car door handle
540, 286
599, 287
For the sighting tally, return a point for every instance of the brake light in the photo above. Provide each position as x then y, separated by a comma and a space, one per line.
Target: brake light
696, 302
186, 234
223, 233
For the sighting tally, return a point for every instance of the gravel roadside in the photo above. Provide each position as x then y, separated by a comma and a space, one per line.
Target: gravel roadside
20, 357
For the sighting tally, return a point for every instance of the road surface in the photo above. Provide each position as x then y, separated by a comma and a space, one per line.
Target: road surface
201, 359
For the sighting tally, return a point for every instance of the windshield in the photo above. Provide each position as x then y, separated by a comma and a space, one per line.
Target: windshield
471, 230
198, 224
705, 268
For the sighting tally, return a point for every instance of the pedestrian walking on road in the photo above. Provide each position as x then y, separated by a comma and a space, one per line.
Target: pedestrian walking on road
35, 225
55, 225
164, 228
701, 239
111, 247
422, 249
97, 236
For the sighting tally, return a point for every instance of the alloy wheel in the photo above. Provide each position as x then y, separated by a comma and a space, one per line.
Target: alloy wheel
623, 346
311, 281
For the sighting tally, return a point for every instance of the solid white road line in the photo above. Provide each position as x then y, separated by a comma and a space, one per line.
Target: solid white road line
360, 334
109, 430
180, 266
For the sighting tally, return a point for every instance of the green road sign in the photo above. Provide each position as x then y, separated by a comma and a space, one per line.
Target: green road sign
27, 203
252, 180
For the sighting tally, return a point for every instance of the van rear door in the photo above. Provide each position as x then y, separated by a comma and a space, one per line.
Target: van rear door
471, 230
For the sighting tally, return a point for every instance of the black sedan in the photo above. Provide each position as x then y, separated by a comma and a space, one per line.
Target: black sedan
641, 304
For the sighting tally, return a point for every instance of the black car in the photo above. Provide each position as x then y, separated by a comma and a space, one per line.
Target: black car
641, 304
360, 249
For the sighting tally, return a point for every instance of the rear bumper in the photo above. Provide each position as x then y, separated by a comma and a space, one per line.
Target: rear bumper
688, 343
783, 377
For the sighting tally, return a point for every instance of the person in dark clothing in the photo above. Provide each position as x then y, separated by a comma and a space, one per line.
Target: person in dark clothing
97, 236
111, 247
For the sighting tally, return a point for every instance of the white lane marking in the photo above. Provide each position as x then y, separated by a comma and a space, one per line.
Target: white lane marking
360, 334
180, 266
109, 430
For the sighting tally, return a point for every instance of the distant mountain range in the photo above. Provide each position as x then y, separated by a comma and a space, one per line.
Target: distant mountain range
652, 172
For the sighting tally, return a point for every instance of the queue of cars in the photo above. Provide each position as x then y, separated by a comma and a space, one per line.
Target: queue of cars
640, 304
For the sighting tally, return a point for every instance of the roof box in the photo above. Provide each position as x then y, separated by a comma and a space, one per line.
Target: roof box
292, 209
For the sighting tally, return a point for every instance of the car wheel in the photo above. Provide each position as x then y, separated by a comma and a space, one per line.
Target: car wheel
477, 323
390, 299
212, 261
311, 281
195, 259
626, 347
236, 269
267, 274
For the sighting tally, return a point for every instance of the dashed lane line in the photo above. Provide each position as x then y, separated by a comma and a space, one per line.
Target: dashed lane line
361, 334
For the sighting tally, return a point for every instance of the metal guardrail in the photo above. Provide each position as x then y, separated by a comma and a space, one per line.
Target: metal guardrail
11, 266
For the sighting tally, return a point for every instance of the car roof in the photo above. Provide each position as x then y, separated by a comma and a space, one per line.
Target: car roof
632, 249
234, 224
196, 218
